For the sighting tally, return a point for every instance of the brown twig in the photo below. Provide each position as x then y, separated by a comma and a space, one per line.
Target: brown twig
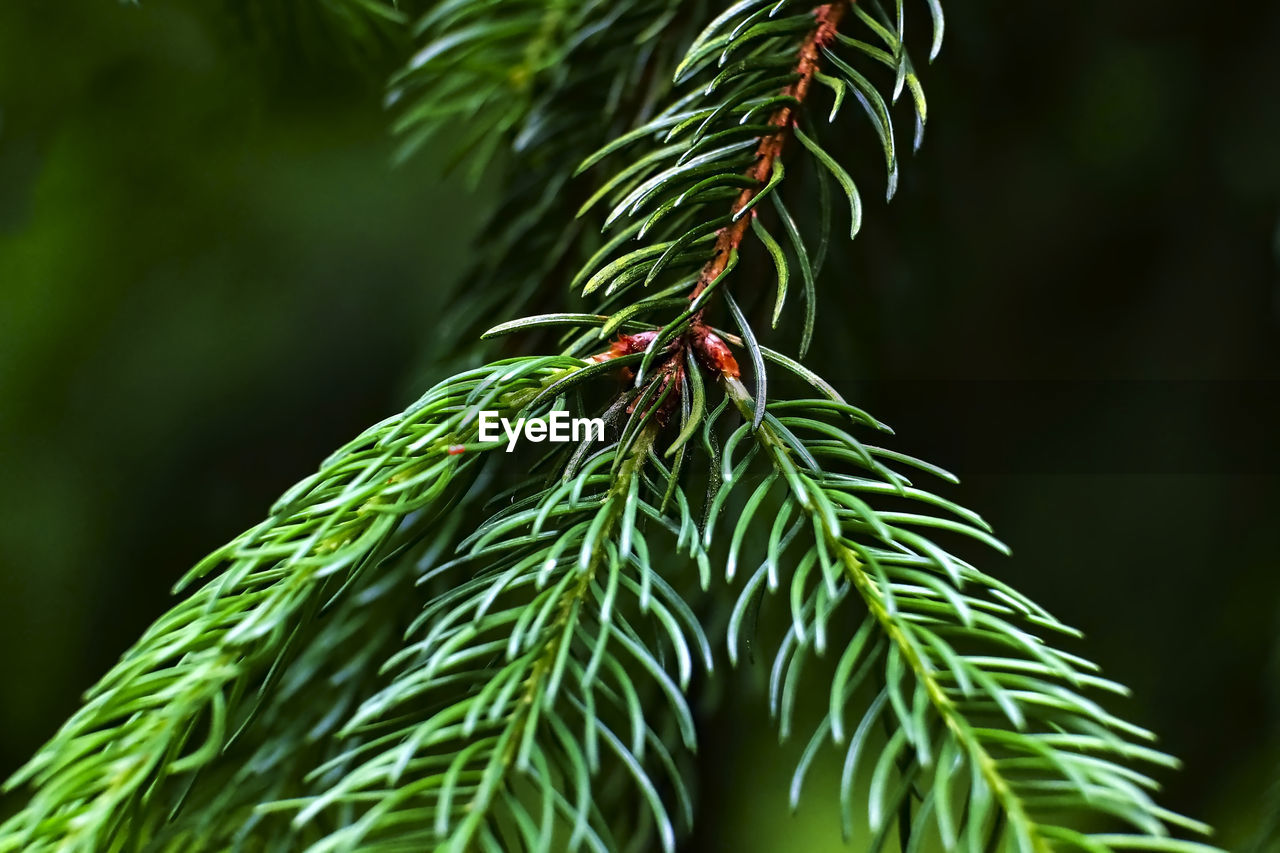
730, 237
710, 350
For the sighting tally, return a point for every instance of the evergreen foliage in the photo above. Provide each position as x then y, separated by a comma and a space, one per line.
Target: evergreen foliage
421, 647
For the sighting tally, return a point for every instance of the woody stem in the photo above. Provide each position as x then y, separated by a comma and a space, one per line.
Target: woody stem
730, 237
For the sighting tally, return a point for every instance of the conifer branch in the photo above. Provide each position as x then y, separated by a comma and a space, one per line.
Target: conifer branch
827, 19
968, 691
542, 112
541, 690
534, 642
195, 670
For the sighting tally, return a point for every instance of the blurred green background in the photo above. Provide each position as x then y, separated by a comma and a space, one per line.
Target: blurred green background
210, 276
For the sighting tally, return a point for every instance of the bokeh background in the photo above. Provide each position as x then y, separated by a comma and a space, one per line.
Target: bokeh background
211, 275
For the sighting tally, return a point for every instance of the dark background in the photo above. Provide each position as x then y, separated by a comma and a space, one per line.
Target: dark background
210, 276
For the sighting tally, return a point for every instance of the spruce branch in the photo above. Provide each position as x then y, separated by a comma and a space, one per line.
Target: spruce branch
994, 735
295, 729
537, 114
1031, 744
526, 668
195, 671
541, 690
723, 140
767, 163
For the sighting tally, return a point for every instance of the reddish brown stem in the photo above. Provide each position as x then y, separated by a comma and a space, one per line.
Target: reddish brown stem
711, 351
770, 148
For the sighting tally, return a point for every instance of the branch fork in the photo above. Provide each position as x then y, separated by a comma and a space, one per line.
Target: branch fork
710, 349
